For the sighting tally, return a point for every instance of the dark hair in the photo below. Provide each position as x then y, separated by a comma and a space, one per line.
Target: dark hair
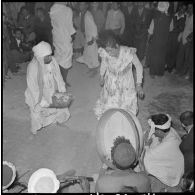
118, 141
187, 118
188, 178
24, 8
128, 189
16, 30
40, 9
160, 119
107, 38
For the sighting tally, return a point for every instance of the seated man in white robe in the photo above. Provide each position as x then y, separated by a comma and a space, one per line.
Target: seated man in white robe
162, 157
43, 81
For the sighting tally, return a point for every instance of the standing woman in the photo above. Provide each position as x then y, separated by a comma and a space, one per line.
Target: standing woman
159, 30
90, 54
119, 89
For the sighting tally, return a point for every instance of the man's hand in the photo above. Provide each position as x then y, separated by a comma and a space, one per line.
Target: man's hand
84, 184
45, 112
101, 81
140, 91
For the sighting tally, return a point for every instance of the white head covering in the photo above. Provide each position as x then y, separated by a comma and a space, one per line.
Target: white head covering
43, 181
163, 6
42, 49
153, 126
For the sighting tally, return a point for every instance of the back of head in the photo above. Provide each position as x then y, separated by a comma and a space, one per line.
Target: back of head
107, 38
186, 118
128, 189
123, 154
160, 119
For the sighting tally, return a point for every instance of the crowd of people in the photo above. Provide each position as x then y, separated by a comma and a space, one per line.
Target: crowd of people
119, 38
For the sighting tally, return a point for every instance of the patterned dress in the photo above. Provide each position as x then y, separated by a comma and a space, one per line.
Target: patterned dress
119, 87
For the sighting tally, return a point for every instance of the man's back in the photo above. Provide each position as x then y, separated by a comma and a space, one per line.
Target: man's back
187, 148
118, 179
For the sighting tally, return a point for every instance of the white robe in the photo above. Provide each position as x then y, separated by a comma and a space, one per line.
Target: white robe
164, 160
52, 81
62, 23
90, 54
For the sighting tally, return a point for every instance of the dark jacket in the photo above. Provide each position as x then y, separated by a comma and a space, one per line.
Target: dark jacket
187, 148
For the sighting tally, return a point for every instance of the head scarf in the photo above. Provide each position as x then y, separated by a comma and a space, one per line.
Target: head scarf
42, 49
163, 7
124, 155
162, 127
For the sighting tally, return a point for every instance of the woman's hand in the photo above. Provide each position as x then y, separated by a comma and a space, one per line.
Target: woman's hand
140, 91
90, 42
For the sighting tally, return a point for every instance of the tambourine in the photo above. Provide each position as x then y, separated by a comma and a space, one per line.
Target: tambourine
9, 174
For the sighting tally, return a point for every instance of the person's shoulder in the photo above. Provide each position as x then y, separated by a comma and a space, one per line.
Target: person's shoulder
128, 50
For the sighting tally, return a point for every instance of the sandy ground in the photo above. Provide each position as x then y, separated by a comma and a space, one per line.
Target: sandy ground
73, 146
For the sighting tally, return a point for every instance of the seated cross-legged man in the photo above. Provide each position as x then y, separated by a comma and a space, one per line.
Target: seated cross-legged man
19, 51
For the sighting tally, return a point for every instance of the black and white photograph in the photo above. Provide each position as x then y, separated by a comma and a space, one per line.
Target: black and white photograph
97, 97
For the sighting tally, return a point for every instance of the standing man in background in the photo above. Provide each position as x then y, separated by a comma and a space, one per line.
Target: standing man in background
62, 23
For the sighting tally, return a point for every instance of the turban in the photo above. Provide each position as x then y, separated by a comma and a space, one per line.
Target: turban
162, 127
43, 181
42, 49
163, 6
124, 155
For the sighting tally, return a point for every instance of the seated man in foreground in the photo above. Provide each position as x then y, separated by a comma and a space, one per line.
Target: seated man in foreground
43, 81
163, 158
124, 178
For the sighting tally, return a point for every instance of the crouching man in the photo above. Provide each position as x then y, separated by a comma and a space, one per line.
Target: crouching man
43, 80
124, 178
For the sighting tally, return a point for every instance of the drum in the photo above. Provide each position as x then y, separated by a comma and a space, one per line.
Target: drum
115, 123
9, 174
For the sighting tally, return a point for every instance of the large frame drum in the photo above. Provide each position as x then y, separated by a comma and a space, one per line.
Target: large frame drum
115, 123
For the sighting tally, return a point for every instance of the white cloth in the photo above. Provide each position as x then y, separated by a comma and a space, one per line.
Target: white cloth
50, 77
163, 6
164, 160
42, 49
90, 54
188, 28
119, 87
115, 20
62, 23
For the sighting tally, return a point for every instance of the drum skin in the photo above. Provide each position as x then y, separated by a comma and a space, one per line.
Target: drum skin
9, 174
100, 139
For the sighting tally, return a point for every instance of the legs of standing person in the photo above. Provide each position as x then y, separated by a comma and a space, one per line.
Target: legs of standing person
185, 70
64, 73
180, 58
141, 47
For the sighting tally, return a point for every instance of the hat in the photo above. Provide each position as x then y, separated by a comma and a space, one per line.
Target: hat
124, 155
42, 49
163, 6
43, 181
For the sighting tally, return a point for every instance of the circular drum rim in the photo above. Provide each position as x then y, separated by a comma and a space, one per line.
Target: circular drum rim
101, 125
9, 164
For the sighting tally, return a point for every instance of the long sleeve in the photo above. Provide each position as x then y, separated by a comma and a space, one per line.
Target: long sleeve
122, 23
107, 26
151, 28
103, 65
139, 68
171, 26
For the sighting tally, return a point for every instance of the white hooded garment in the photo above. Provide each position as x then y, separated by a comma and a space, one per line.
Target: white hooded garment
43, 80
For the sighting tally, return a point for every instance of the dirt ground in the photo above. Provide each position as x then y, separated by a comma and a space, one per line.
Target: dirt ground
73, 146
